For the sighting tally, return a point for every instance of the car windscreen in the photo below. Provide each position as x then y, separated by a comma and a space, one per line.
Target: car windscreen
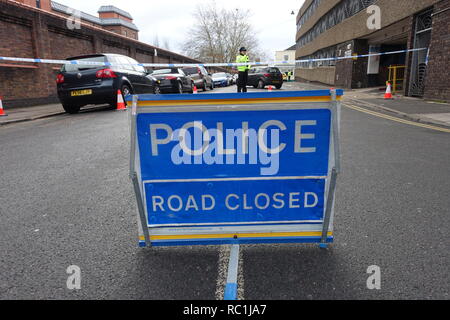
219, 75
164, 71
190, 71
80, 66
273, 70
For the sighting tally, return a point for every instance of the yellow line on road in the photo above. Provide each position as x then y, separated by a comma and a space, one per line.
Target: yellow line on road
381, 115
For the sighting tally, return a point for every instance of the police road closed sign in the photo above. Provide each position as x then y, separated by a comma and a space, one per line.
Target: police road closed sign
227, 168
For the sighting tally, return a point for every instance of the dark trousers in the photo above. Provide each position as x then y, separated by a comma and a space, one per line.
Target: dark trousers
242, 81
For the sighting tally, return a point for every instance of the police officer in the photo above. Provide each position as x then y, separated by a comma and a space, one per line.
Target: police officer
243, 70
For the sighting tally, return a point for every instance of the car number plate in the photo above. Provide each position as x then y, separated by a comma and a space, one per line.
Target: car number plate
81, 92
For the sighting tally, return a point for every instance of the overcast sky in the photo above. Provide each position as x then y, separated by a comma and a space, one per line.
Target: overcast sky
170, 19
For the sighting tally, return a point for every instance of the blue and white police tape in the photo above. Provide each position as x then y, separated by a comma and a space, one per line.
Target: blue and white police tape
175, 65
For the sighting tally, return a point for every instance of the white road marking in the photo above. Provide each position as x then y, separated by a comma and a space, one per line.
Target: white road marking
224, 257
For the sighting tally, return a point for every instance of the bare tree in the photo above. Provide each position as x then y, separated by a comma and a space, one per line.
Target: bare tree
163, 44
166, 44
156, 40
218, 34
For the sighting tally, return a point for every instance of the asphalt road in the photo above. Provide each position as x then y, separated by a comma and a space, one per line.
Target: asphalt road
66, 199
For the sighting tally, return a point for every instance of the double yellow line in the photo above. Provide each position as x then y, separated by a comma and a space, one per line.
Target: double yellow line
381, 115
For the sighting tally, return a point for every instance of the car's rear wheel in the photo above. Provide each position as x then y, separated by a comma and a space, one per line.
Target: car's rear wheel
278, 86
261, 84
71, 108
126, 90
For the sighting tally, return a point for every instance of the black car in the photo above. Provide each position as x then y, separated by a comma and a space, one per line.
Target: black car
173, 80
82, 84
201, 77
261, 77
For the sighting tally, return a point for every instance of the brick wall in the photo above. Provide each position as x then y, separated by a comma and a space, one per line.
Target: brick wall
32, 33
437, 85
124, 31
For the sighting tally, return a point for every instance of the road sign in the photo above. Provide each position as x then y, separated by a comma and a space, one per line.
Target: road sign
235, 168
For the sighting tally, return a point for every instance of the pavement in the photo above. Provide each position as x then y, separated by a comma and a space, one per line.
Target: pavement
415, 109
15, 115
66, 199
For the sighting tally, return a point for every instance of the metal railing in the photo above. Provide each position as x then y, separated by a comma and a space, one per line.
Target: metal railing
396, 77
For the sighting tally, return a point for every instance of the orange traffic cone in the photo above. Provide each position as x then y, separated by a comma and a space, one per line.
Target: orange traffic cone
120, 103
195, 90
388, 94
2, 113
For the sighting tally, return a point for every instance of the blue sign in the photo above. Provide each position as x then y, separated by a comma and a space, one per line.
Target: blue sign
236, 201
194, 145
260, 166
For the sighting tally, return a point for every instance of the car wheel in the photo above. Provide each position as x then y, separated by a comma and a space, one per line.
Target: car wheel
125, 91
261, 84
180, 88
71, 109
278, 86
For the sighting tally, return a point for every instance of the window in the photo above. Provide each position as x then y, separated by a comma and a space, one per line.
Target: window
136, 67
80, 66
190, 70
126, 63
286, 57
38, 4
343, 10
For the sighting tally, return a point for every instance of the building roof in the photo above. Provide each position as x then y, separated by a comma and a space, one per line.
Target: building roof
88, 17
68, 10
119, 22
294, 47
116, 10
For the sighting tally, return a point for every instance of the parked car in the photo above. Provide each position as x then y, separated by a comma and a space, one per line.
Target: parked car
261, 77
82, 84
202, 79
220, 79
174, 80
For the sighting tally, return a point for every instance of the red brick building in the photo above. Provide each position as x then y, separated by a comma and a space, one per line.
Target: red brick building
39, 29
109, 17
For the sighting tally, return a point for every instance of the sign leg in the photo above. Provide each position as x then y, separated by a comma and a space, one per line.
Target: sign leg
233, 266
143, 219
330, 198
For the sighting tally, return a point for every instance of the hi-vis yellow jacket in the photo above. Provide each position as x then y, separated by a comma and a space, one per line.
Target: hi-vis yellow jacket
242, 59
